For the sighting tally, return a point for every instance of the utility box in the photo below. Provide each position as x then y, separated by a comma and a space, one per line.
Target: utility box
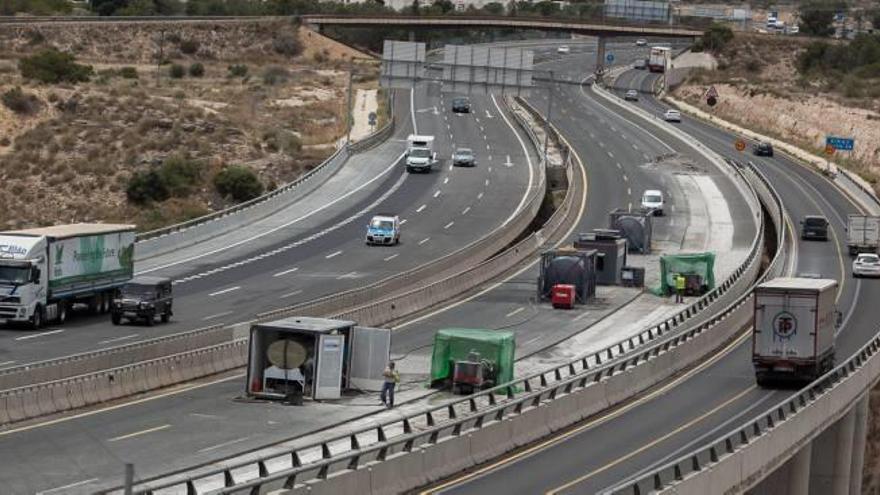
611, 248
632, 276
468, 359
635, 226
315, 357
563, 296
568, 266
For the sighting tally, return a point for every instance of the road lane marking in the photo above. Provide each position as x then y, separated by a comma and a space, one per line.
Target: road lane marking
403, 221
426, 239
445, 180
486, 182
466, 210
392, 257
436, 193
515, 311
67, 487
347, 275
290, 294
629, 191
480, 196
224, 291
117, 339
420, 208
333, 255
619, 166
43, 334
139, 433
285, 272
7, 363
450, 224
610, 154
224, 444
625, 178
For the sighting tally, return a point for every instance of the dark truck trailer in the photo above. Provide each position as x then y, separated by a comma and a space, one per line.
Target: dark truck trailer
793, 337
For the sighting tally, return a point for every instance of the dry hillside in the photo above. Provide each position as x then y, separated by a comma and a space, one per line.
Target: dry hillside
266, 96
761, 89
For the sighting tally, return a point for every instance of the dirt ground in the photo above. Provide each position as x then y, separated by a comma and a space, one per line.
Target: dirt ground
759, 88
74, 155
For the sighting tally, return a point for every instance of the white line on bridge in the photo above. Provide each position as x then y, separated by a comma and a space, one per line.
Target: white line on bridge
285, 272
139, 433
224, 291
117, 339
333, 255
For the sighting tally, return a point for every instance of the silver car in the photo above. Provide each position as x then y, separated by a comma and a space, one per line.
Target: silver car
866, 265
631, 95
464, 157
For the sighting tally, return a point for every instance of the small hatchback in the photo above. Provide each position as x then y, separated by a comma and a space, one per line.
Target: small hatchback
866, 265
143, 299
672, 116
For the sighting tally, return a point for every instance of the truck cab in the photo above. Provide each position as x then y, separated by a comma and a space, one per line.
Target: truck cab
23, 276
383, 229
420, 155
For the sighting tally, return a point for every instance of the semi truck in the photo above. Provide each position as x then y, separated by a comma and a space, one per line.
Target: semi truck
794, 325
420, 155
658, 60
862, 234
44, 271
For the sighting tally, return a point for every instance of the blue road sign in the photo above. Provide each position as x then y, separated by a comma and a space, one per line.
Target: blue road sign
609, 57
839, 143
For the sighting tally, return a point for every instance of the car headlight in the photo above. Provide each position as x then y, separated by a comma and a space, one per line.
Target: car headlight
22, 311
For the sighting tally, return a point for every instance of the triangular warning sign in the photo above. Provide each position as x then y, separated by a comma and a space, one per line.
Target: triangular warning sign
712, 93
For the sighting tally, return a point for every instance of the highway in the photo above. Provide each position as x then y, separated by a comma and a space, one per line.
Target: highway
325, 253
205, 422
667, 422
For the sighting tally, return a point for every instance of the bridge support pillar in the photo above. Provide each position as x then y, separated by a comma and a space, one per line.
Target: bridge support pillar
792, 478
600, 58
860, 435
831, 464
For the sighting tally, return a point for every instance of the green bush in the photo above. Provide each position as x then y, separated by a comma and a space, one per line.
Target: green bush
20, 102
176, 71
196, 70
189, 47
128, 73
145, 187
287, 44
239, 183
51, 67
237, 70
179, 175
716, 37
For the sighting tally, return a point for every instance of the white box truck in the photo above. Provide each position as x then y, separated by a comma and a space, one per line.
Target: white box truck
793, 336
43, 271
420, 155
862, 234
658, 60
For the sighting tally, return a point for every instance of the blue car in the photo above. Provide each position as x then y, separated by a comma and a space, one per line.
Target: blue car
383, 229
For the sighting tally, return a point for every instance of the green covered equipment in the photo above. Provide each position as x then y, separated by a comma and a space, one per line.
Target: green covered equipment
698, 268
456, 344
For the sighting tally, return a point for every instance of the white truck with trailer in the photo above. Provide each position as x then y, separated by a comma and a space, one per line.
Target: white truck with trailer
794, 324
658, 59
420, 154
862, 234
44, 271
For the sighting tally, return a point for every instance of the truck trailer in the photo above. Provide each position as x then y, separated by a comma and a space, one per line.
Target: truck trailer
658, 60
794, 324
862, 234
44, 271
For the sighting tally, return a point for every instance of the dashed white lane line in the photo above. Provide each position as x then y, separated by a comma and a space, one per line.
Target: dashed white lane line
628, 191
635, 147
619, 166
466, 210
450, 224
66, 487
446, 180
392, 257
610, 154
486, 182
139, 433
488, 148
450, 167
436, 193
285, 272
218, 315
224, 444
117, 339
347, 275
601, 144
625, 178
490, 159
421, 208
480, 196
291, 294
403, 221
451, 136
646, 156
224, 291
515, 311
333, 255
42, 334
426, 239
490, 170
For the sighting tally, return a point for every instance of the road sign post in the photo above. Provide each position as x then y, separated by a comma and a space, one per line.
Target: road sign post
833, 144
712, 96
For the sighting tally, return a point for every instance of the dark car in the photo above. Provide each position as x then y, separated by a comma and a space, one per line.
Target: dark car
814, 227
143, 298
762, 149
461, 105
464, 157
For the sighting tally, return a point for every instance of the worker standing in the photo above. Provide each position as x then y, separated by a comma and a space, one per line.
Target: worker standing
679, 288
392, 378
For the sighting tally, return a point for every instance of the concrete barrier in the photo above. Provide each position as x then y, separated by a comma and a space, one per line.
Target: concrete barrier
398, 473
345, 481
531, 425
447, 457
490, 441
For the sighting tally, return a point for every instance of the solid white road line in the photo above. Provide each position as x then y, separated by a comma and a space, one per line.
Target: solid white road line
139, 433
66, 487
285, 272
224, 291
117, 339
43, 334
291, 294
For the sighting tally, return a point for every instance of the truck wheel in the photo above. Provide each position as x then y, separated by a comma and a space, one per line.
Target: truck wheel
115, 318
151, 320
62, 312
166, 316
37, 318
105, 303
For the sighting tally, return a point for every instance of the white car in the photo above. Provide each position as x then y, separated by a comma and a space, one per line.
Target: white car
653, 200
641, 42
672, 116
631, 95
866, 265
563, 49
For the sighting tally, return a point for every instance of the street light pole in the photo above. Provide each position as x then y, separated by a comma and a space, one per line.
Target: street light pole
549, 119
350, 114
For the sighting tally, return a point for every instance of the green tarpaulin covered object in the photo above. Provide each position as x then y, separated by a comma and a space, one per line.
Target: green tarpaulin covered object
702, 264
455, 344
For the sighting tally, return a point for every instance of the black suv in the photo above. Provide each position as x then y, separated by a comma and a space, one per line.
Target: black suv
762, 149
143, 298
461, 105
814, 227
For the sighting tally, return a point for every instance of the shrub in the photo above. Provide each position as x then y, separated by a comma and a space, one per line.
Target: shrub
145, 187
128, 72
716, 37
20, 102
238, 70
287, 44
239, 183
51, 66
179, 175
176, 71
274, 75
196, 70
189, 47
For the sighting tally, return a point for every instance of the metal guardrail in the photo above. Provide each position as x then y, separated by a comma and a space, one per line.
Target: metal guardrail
384, 440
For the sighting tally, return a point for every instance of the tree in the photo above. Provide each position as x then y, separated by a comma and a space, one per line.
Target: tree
716, 37
51, 67
817, 16
415, 7
445, 6
145, 187
239, 183
177, 71
494, 8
